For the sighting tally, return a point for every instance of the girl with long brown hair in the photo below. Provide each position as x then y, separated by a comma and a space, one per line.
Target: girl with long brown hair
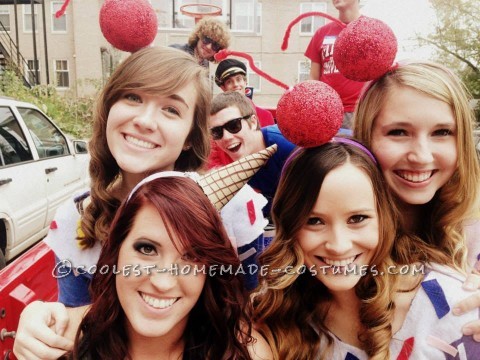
332, 290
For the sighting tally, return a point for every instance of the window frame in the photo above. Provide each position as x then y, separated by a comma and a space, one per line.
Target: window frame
5, 10
30, 71
53, 11
305, 63
314, 6
56, 71
252, 73
29, 7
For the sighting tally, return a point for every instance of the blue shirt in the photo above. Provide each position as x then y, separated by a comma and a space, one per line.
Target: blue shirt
266, 179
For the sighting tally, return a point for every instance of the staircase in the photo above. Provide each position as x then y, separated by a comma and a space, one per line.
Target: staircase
10, 58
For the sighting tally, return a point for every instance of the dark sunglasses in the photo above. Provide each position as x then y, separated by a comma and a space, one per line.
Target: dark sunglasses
232, 126
215, 46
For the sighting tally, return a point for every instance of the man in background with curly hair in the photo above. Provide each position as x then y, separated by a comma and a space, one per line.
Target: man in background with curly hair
209, 37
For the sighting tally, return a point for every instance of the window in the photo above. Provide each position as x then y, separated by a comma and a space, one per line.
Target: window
245, 15
13, 145
170, 17
58, 24
309, 25
27, 18
258, 21
253, 79
31, 71
61, 73
5, 18
164, 11
49, 141
303, 70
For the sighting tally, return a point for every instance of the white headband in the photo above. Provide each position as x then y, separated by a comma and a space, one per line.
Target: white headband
162, 174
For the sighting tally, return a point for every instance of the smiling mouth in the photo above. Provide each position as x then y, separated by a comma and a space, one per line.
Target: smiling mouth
338, 263
158, 303
234, 147
139, 143
415, 177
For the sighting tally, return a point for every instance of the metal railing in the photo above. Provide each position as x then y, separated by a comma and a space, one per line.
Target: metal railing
14, 59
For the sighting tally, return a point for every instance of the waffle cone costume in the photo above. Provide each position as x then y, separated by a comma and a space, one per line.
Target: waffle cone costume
221, 184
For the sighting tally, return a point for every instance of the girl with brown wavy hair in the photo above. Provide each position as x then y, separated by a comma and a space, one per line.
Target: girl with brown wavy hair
418, 122
165, 301
150, 116
332, 290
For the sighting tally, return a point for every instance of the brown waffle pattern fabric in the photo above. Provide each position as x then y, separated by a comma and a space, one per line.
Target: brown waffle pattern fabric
221, 184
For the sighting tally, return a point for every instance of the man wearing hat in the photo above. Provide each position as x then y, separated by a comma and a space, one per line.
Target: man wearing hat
231, 75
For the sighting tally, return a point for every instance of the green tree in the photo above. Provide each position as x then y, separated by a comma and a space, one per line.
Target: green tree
72, 115
457, 40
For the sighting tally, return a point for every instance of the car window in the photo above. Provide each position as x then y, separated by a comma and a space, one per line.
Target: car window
48, 140
13, 145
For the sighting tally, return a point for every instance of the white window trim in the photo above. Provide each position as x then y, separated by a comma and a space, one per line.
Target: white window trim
258, 64
37, 22
55, 70
53, 15
27, 70
321, 4
257, 9
299, 68
7, 12
259, 16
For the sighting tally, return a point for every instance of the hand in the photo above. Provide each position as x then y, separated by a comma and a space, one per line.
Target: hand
40, 332
471, 303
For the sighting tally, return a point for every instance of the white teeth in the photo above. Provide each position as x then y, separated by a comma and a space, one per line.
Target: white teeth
138, 142
344, 262
415, 177
233, 146
158, 303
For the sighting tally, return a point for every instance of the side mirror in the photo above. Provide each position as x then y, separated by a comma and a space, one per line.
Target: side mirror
80, 147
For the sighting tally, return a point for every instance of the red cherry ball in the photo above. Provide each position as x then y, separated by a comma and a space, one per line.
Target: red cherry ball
365, 49
128, 25
310, 113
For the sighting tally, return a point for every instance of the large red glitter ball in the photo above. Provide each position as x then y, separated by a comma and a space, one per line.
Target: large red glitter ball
128, 25
365, 49
310, 114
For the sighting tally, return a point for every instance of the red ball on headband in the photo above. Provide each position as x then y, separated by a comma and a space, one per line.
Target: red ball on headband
310, 114
128, 25
365, 49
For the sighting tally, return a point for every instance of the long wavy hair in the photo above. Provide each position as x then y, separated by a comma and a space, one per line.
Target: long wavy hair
290, 317
217, 325
457, 200
157, 71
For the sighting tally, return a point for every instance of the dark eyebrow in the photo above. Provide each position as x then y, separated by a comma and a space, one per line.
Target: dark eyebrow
179, 98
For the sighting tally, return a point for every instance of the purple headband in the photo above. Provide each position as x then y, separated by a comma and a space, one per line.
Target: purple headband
356, 144
334, 139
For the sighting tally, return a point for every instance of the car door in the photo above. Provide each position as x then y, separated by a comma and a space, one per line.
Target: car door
23, 188
64, 170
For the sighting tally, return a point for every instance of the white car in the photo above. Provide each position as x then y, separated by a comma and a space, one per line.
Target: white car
39, 169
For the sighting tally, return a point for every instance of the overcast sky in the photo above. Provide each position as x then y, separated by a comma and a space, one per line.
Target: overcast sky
405, 17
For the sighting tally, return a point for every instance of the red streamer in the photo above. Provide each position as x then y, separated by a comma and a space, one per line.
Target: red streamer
223, 54
62, 9
303, 16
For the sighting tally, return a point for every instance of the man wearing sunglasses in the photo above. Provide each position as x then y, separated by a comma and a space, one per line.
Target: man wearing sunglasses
236, 132
231, 75
209, 37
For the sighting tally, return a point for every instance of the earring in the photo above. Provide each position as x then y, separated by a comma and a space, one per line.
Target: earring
187, 147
